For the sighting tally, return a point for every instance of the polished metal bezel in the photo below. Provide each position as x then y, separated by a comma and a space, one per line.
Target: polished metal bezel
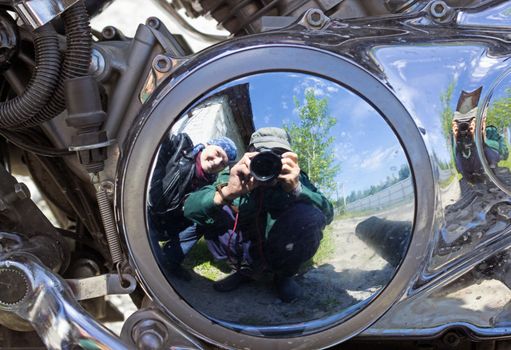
192, 81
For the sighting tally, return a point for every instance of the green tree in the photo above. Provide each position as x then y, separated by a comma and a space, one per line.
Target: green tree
404, 172
499, 113
447, 116
310, 140
447, 113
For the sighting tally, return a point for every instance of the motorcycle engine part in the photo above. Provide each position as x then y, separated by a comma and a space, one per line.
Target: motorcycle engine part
20, 214
95, 7
49, 306
266, 166
148, 328
17, 287
248, 17
245, 17
87, 116
107, 217
8, 40
231, 107
77, 60
97, 286
40, 89
460, 213
43, 98
37, 13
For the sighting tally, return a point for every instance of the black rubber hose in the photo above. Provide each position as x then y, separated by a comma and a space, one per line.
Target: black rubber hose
76, 60
40, 88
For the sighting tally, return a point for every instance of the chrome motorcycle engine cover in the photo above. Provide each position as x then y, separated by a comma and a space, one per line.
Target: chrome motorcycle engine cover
398, 79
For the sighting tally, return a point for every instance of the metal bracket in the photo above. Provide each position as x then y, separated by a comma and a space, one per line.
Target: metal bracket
39, 12
161, 68
97, 286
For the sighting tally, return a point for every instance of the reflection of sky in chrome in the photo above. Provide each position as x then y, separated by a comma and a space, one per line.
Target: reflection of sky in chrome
365, 146
420, 74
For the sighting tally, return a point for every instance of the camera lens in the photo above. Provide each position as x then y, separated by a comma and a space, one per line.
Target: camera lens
265, 166
464, 126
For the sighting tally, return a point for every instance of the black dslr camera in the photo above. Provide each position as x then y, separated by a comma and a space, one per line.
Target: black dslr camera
464, 138
266, 165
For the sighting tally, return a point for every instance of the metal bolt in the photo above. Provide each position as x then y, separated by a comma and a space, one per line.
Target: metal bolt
109, 32
162, 63
21, 190
315, 18
149, 334
108, 186
438, 9
153, 22
451, 339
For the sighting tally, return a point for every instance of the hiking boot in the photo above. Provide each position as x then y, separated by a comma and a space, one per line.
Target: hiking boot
177, 271
231, 282
287, 288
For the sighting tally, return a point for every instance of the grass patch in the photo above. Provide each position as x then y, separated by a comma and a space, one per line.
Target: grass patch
447, 182
200, 260
326, 248
324, 253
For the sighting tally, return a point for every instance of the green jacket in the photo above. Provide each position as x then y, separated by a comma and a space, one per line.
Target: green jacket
257, 209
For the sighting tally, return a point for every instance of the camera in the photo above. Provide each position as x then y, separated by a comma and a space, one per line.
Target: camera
266, 165
464, 137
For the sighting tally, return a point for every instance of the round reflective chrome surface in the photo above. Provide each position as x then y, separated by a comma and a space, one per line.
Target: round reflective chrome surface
495, 135
307, 248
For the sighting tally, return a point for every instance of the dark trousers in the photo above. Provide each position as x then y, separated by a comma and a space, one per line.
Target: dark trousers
179, 244
179, 234
293, 239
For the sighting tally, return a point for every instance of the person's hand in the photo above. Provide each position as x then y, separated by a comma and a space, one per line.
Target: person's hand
289, 177
240, 181
454, 126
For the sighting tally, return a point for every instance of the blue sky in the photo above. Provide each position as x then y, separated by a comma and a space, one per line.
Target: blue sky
364, 146
420, 74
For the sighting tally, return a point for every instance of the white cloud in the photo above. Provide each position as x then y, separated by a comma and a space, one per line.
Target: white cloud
321, 87
332, 89
379, 158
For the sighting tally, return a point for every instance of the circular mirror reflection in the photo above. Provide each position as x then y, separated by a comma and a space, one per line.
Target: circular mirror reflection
496, 135
280, 199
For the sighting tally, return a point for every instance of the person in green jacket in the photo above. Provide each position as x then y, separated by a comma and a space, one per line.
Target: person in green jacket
280, 221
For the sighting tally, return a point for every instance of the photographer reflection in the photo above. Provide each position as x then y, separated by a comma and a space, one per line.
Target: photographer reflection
467, 160
270, 205
181, 168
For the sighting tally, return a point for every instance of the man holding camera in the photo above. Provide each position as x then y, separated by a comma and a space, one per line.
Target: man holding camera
466, 158
276, 208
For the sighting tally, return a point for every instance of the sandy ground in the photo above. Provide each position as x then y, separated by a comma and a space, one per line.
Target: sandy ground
353, 273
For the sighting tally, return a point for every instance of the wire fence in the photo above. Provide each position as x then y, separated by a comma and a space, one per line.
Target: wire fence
399, 192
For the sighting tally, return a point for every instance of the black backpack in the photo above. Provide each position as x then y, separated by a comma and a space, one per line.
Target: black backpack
172, 175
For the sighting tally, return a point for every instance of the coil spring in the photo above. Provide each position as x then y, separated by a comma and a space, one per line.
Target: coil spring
109, 225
